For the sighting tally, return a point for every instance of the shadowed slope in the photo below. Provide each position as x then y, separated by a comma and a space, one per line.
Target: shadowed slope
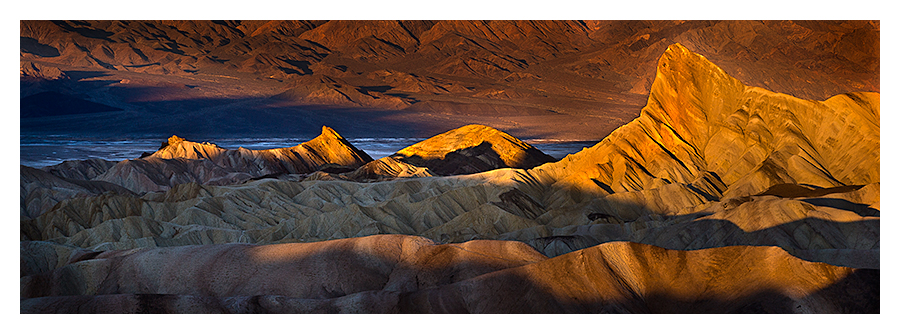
389, 274
622, 277
330, 269
466, 150
40, 190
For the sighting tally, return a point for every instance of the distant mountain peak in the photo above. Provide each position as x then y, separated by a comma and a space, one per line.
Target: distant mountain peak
470, 149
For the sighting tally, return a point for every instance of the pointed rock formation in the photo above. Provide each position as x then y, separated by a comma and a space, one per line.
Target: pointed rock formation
181, 161
700, 122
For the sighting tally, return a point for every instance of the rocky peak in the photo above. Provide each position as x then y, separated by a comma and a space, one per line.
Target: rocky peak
689, 92
700, 120
178, 147
175, 140
470, 149
330, 133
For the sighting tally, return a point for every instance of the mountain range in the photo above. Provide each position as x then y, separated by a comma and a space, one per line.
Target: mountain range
531, 79
718, 197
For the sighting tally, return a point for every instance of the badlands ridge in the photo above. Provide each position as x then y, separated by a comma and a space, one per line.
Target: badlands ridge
719, 197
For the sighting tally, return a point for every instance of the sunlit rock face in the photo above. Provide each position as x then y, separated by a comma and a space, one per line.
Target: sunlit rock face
701, 124
467, 150
472, 149
713, 171
327, 148
181, 161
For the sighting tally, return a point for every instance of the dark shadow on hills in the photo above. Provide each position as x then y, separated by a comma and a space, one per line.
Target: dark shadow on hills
143, 65
460, 162
302, 66
77, 75
32, 46
150, 111
379, 89
811, 239
790, 190
471, 160
86, 32
48, 104
235, 118
860, 292
838, 203
508, 292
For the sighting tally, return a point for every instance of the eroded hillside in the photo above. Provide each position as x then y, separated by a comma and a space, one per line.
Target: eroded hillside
719, 197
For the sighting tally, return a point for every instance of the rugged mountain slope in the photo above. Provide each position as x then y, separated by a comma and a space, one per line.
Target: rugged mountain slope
785, 192
327, 148
700, 122
390, 274
527, 78
181, 161
39, 191
653, 181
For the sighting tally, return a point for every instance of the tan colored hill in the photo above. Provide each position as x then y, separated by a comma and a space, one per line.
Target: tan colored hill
181, 161
470, 149
327, 148
382, 169
39, 191
403, 274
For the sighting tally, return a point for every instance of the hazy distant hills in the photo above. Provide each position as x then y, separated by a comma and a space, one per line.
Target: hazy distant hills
528, 78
